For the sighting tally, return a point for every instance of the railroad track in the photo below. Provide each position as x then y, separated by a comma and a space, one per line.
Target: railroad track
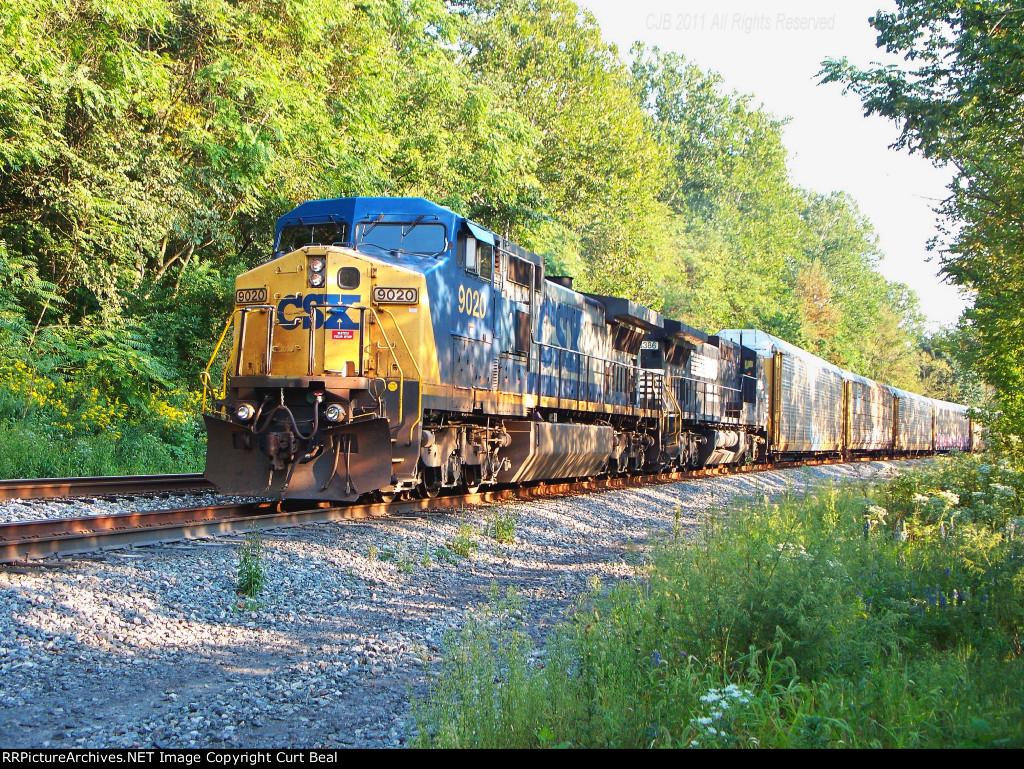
33, 540
50, 488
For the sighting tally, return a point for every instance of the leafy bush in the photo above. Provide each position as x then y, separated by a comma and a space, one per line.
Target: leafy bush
464, 542
852, 617
94, 431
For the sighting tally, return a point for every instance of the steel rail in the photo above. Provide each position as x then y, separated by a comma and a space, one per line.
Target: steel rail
51, 488
33, 540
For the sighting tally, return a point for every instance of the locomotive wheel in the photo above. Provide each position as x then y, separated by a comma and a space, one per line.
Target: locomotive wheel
427, 491
429, 484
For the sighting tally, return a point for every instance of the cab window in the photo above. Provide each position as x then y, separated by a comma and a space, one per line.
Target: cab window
296, 236
476, 257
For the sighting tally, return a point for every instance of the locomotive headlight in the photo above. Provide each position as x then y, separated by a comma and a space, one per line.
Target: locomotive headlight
244, 412
316, 264
333, 413
316, 279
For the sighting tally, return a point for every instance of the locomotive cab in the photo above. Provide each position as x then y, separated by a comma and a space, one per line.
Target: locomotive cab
332, 343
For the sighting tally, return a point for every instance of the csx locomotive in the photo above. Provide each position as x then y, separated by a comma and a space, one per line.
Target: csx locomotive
391, 345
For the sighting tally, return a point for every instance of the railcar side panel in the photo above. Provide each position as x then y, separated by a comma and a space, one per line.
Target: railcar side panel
952, 427
869, 415
913, 423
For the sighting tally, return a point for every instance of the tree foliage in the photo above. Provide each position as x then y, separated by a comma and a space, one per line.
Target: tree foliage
958, 98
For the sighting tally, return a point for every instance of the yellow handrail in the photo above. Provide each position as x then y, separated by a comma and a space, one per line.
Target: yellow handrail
667, 384
391, 348
205, 377
419, 374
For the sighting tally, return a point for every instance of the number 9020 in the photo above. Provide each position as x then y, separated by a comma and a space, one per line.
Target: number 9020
471, 302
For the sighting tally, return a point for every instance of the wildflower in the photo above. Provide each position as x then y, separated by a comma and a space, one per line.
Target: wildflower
876, 515
655, 658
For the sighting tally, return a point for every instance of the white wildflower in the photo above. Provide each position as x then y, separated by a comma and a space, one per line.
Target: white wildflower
795, 550
1003, 491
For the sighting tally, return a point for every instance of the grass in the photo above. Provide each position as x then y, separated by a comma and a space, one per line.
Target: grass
855, 617
35, 451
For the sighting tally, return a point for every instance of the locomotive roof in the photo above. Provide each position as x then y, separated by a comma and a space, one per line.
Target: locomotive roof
627, 311
676, 329
359, 208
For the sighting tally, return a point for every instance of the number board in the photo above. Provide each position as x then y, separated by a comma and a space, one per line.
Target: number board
383, 294
648, 345
250, 295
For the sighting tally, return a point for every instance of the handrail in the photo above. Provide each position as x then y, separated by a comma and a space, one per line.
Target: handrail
205, 378
637, 371
419, 374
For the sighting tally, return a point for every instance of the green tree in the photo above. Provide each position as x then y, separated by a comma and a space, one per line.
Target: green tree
959, 100
598, 168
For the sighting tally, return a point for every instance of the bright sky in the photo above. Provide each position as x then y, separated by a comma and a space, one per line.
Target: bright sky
773, 49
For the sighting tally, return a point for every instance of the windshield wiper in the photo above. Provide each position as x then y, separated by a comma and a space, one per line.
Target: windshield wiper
412, 226
369, 229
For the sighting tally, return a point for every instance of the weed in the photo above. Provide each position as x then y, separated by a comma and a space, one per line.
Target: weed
445, 556
252, 573
371, 553
464, 542
501, 527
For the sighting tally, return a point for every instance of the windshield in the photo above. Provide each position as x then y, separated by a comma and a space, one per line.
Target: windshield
408, 238
296, 236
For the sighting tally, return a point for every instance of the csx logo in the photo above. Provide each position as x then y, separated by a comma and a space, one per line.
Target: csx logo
329, 310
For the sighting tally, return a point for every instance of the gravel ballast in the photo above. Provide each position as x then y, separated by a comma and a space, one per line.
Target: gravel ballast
152, 646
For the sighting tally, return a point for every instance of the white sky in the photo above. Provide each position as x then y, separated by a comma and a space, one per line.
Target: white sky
832, 146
